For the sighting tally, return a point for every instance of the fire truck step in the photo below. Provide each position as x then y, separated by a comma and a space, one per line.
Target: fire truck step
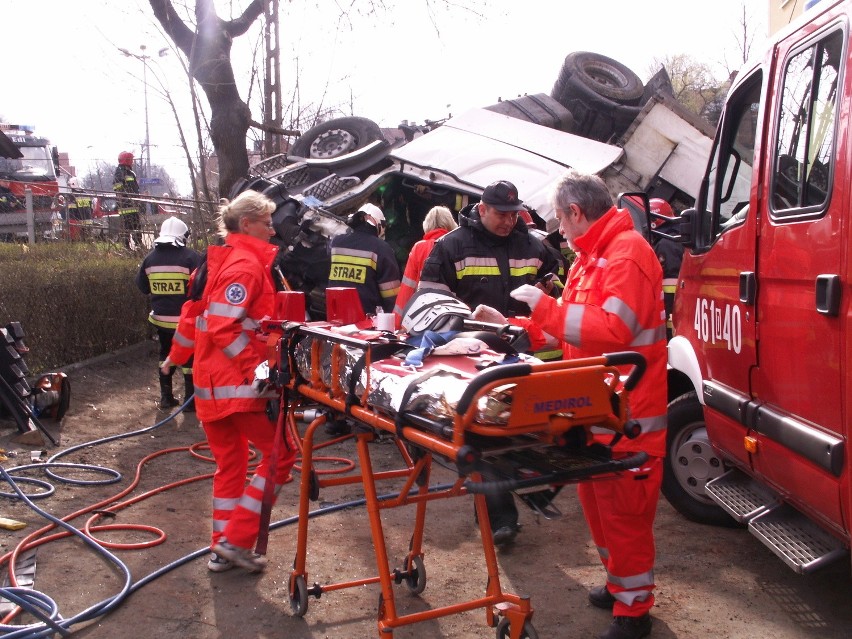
800, 543
740, 496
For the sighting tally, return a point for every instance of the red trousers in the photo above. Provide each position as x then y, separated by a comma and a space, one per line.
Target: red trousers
620, 513
237, 506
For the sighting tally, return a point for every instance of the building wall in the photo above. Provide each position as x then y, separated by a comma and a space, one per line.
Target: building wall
783, 12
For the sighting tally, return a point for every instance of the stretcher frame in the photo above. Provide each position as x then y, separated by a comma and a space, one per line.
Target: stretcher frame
418, 439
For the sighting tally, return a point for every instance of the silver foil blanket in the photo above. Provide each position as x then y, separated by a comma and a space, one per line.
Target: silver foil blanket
435, 395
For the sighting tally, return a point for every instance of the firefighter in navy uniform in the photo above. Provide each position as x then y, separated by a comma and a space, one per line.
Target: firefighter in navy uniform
364, 261
164, 275
480, 262
491, 253
79, 209
124, 183
669, 252
8, 202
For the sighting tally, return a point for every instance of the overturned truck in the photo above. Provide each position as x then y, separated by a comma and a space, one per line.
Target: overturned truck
599, 118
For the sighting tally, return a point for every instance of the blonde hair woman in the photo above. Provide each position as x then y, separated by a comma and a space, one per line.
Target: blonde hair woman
437, 223
238, 294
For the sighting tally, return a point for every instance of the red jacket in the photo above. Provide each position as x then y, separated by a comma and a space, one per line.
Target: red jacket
613, 301
238, 295
183, 342
419, 252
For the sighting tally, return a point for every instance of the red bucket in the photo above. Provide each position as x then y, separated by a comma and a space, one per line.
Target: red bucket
343, 305
290, 306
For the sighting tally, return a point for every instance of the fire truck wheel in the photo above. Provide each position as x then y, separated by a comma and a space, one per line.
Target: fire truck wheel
690, 463
299, 596
529, 631
336, 137
416, 580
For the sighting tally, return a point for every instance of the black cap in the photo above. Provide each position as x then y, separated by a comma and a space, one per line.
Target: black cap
503, 196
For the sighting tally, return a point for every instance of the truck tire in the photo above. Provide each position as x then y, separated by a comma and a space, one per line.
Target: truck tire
602, 94
335, 138
597, 76
691, 462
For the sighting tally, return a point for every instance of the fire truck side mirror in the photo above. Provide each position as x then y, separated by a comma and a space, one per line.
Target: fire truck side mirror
55, 153
689, 229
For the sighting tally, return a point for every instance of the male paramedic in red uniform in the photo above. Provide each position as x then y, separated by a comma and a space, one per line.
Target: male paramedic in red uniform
239, 293
613, 301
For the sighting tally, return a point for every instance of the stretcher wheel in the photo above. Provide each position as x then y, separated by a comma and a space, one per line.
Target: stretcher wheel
416, 579
529, 631
299, 596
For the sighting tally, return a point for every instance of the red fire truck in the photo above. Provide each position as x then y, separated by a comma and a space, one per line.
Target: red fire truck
759, 419
37, 169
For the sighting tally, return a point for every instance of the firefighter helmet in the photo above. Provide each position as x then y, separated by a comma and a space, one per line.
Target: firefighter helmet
372, 215
430, 309
173, 231
378, 218
125, 158
660, 209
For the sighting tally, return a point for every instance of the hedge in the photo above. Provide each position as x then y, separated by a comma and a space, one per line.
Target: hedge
74, 300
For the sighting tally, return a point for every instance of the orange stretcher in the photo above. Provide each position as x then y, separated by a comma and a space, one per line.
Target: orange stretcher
543, 441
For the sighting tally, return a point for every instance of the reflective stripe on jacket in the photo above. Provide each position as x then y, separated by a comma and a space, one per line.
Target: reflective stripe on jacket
419, 252
238, 295
482, 268
124, 181
365, 262
164, 274
613, 301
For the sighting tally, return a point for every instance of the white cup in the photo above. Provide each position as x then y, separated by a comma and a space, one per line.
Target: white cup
385, 322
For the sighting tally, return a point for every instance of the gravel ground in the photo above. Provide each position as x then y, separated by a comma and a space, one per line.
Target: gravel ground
719, 583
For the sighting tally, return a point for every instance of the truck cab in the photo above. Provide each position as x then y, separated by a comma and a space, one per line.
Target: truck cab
758, 386
34, 168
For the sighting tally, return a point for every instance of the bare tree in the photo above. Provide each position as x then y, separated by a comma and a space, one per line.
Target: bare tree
693, 84
208, 49
745, 38
207, 46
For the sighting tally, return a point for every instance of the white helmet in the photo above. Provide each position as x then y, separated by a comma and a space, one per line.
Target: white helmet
74, 183
431, 309
173, 231
374, 212
373, 215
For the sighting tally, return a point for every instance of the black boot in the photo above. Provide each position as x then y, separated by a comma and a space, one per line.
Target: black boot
628, 628
167, 398
188, 390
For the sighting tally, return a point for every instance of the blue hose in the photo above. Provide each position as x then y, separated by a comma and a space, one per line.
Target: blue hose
43, 607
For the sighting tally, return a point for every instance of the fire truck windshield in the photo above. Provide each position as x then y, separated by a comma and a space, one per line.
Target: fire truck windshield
35, 166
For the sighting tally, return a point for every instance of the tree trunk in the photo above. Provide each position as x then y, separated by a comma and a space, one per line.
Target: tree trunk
228, 127
208, 50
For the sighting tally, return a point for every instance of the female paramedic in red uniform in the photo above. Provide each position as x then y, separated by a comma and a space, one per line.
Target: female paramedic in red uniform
613, 301
238, 294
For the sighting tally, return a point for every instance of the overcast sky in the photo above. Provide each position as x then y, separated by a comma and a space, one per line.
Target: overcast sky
67, 77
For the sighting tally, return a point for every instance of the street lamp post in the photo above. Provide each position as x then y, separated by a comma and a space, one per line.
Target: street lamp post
144, 59
146, 153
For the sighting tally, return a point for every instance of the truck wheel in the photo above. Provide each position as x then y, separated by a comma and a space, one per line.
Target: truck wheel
336, 137
597, 76
690, 463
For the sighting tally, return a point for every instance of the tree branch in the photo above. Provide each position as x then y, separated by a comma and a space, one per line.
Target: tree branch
174, 27
270, 128
238, 26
